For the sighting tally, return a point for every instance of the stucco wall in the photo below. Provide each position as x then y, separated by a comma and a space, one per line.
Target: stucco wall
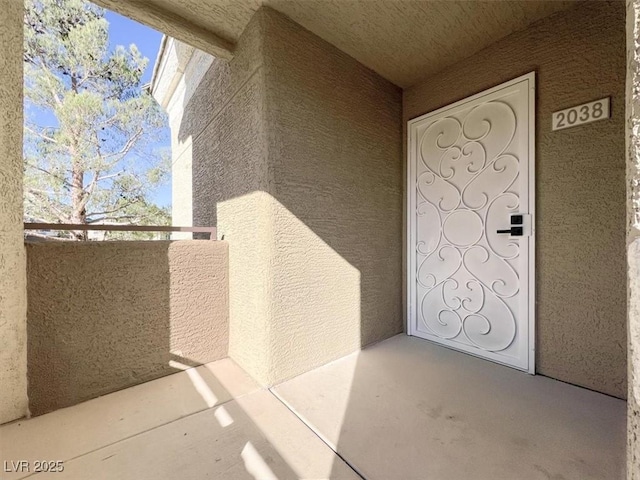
578, 56
179, 73
13, 328
296, 157
103, 316
335, 159
223, 127
633, 237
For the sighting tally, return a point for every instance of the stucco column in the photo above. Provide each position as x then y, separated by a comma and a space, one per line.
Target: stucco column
296, 156
633, 236
13, 320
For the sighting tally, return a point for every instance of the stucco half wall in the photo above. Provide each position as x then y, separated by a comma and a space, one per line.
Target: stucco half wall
13, 328
103, 316
578, 56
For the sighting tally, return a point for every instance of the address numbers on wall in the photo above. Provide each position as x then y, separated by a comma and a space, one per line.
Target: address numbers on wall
580, 114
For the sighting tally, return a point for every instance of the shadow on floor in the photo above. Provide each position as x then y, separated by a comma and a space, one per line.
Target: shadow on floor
207, 422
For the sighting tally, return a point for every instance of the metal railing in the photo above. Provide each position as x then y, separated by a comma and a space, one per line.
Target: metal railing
121, 228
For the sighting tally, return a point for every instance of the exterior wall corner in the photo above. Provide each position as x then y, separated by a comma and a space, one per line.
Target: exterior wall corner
13, 293
633, 237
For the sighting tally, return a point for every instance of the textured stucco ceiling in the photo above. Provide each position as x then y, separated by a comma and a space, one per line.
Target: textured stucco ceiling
405, 41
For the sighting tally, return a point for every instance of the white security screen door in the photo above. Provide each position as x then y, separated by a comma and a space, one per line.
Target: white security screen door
471, 243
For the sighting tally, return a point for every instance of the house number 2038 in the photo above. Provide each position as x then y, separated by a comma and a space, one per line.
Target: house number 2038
581, 114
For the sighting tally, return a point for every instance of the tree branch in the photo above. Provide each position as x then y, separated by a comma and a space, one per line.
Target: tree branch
47, 237
106, 177
113, 210
39, 168
42, 135
127, 147
45, 200
115, 219
52, 90
87, 192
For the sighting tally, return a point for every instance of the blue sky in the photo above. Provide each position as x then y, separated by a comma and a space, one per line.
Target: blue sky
123, 31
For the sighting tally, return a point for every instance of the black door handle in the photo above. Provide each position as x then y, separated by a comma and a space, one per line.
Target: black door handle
513, 231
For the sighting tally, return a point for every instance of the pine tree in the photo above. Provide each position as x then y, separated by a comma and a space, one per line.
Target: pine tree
91, 127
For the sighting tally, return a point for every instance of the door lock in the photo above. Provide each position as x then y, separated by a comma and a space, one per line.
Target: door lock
513, 231
516, 229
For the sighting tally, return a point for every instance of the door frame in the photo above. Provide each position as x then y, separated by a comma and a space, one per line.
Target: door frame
411, 202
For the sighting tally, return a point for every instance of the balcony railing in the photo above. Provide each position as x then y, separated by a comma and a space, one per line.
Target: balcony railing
121, 228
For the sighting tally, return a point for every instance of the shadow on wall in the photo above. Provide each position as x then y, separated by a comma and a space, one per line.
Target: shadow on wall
103, 316
304, 179
322, 166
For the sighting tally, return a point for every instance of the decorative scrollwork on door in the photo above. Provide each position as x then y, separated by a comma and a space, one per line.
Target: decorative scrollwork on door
465, 187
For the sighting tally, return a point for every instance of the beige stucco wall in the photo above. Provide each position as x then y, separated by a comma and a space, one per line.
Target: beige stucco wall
578, 56
222, 127
13, 328
296, 157
633, 237
103, 316
335, 159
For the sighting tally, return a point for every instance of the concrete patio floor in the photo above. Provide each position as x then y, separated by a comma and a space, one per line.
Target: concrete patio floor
401, 409
409, 409
212, 421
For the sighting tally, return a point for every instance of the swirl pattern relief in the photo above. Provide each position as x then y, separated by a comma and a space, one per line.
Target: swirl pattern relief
466, 188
